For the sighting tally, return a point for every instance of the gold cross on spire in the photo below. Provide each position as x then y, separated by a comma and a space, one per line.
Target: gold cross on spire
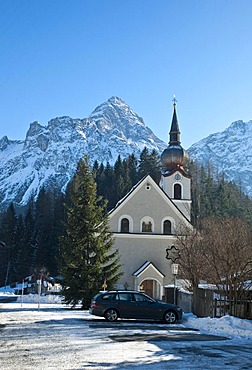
174, 101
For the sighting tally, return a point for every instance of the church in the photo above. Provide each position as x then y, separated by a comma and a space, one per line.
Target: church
146, 221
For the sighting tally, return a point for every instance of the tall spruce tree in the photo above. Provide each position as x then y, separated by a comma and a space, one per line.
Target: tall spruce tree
88, 260
57, 231
43, 231
8, 254
149, 164
132, 166
18, 245
122, 183
108, 191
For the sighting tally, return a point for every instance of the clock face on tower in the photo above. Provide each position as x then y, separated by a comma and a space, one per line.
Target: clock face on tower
178, 177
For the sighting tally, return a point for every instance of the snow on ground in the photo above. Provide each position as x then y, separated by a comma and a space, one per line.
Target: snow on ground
43, 334
228, 326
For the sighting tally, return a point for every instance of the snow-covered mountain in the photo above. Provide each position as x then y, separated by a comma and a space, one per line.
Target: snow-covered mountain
48, 156
230, 152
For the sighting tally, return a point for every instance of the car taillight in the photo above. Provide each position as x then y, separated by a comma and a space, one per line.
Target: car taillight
94, 304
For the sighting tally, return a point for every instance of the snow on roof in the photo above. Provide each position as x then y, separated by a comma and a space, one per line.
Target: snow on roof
145, 266
142, 268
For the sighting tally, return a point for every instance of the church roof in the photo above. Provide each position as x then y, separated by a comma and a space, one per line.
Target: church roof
144, 267
174, 131
173, 170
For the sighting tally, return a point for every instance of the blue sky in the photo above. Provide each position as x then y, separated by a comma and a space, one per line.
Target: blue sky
62, 57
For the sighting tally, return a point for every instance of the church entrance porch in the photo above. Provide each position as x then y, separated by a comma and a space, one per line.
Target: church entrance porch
152, 288
149, 280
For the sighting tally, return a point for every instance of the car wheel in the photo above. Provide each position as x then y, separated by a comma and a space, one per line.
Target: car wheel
170, 317
111, 315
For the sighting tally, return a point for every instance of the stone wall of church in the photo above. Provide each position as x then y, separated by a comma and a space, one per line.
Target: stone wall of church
135, 251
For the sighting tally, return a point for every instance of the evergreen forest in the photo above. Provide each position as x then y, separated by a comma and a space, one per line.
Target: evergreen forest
32, 235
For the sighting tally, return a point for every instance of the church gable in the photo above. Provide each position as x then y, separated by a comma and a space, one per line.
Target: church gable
146, 209
146, 268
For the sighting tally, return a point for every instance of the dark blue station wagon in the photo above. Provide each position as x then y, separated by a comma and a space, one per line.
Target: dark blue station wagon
133, 305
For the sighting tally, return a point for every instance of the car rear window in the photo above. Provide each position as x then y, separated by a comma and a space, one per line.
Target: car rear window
96, 296
108, 297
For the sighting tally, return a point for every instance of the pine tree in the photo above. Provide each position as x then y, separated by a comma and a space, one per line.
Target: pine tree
18, 246
154, 161
57, 231
43, 231
109, 186
8, 228
149, 164
87, 256
27, 254
100, 178
132, 166
122, 183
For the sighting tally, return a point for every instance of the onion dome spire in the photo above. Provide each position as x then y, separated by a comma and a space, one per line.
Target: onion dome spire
174, 156
174, 132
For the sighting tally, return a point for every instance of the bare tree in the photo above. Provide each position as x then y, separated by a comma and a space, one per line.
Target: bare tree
227, 250
221, 254
191, 261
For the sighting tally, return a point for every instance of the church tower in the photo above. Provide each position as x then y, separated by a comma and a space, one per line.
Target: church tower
175, 181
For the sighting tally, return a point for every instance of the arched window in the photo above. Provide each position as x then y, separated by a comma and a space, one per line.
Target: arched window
167, 227
147, 227
177, 191
124, 225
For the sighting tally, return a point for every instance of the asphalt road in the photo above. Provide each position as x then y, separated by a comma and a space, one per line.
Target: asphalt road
172, 333
66, 339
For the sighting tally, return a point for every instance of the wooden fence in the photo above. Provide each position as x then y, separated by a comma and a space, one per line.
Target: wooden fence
208, 303
241, 308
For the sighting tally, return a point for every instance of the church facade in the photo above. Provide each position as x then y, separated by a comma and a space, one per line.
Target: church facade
146, 221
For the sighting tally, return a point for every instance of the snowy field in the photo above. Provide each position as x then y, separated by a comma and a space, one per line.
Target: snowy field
52, 336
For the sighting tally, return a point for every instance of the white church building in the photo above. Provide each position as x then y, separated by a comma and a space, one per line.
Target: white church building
146, 221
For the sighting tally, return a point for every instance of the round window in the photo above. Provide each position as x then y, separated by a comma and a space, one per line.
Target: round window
178, 177
147, 187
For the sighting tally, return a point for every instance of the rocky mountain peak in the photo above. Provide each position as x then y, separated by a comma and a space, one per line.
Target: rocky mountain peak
117, 111
35, 128
240, 126
116, 101
230, 152
49, 155
4, 142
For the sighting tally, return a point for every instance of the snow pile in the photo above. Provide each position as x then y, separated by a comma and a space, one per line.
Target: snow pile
30, 298
228, 326
4, 294
35, 298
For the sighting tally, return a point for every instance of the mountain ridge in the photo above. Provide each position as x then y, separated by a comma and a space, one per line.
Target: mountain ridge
49, 154
230, 152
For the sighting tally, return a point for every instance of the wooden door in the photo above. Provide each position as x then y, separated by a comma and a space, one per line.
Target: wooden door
148, 287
